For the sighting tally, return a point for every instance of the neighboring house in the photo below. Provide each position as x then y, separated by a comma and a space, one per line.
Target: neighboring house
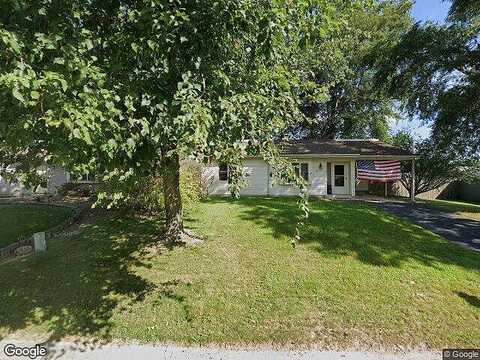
54, 176
328, 166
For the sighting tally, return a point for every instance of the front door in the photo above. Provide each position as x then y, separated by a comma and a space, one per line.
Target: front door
339, 179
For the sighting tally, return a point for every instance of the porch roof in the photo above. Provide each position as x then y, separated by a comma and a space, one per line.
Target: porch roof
356, 148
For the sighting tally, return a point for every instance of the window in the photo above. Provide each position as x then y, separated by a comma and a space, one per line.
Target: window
301, 170
223, 172
339, 175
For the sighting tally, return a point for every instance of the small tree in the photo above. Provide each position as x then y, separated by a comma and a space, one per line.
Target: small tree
435, 166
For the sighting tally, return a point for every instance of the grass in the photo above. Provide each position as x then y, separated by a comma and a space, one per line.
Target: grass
17, 220
461, 209
360, 278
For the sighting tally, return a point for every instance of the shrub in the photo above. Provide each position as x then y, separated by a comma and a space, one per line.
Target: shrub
145, 194
191, 183
76, 189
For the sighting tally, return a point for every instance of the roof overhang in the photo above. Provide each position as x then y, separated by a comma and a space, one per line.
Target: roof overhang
352, 156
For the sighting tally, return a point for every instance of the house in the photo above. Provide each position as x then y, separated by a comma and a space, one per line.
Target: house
54, 177
328, 166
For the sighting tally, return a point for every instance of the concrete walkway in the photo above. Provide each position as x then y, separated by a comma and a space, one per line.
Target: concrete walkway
462, 231
75, 351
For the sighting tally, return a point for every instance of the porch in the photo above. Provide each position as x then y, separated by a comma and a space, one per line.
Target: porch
342, 181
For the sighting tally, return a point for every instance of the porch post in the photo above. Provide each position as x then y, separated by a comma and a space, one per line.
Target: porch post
353, 177
412, 182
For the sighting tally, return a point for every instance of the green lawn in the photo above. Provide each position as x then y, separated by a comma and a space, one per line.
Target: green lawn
462, 209
360, 278
21, 219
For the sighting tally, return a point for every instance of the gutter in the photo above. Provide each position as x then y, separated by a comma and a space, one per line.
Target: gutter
349, 156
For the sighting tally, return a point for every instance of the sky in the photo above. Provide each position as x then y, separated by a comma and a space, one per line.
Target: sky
433, 10
424, 10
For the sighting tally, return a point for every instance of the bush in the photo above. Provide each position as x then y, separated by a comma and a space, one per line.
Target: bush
191, 183
76, 189
145, 194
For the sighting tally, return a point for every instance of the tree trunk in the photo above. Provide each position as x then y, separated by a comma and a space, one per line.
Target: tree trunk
172, 198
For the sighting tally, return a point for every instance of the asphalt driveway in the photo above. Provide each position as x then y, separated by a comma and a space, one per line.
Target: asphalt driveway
463, 231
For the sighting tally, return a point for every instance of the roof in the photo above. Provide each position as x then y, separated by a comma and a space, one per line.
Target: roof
354, 147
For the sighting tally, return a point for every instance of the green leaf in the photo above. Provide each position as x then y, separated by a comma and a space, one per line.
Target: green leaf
87, 138
17, 95
76, 133
35, 94
10, 40
112, 143
64, 84
151, 44
89, 44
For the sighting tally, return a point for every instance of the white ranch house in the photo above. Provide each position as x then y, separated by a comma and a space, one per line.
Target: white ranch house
328, 166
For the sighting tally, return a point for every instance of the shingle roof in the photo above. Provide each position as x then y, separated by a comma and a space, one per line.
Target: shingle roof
341, 147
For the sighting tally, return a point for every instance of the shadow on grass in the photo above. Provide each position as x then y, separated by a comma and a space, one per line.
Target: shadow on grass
167, 290
471, 299
74, 289
343, 228
41, 217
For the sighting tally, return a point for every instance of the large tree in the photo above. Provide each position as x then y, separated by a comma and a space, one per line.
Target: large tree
127, 88
435, 71
347, 60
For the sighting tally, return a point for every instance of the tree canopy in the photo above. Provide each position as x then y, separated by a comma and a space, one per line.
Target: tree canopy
435, 72
126, 88
347, 60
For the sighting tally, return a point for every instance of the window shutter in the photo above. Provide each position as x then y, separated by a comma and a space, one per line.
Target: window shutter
304, 171
223, 172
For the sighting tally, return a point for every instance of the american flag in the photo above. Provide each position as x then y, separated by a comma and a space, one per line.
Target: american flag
381, 170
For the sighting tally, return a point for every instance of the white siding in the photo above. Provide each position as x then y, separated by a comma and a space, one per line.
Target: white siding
56, 177
13, 189
318, 177
256, 174
317, 180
